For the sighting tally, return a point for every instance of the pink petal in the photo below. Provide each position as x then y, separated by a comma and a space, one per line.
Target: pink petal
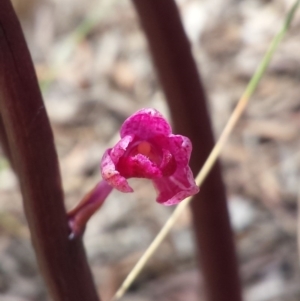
120, 148
179, 146
168, 164
108, 165
146, 123
138, 166
174, 189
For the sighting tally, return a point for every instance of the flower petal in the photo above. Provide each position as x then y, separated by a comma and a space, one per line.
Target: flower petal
145, 124
138, 166
120, 148
168, 164
174, 189
108, 165
179, 146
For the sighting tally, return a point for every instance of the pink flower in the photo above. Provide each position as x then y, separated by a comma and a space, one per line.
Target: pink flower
148, 149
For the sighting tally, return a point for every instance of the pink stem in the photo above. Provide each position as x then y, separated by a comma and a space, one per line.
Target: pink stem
79, 216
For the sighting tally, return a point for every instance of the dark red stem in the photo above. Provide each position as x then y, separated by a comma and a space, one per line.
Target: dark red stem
29, 139
4, 142
181, 83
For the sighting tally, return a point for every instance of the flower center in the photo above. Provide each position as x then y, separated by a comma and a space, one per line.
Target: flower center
145, 160
144, 148
163, 160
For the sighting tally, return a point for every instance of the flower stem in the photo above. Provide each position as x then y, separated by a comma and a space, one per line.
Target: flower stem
79, 216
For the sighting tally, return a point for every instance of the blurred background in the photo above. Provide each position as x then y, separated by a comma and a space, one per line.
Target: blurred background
94, 69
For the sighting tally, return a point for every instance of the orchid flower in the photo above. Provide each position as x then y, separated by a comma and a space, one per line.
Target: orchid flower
147, 149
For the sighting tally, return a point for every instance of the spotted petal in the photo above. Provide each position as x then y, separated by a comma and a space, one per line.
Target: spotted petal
108, 165
172, 190
145, 124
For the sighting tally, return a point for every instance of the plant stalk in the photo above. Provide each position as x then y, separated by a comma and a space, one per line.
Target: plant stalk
62, 262
177, 72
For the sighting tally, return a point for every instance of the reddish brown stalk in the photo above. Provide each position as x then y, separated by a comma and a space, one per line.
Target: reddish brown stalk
181, 83
63, 262
4, 142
